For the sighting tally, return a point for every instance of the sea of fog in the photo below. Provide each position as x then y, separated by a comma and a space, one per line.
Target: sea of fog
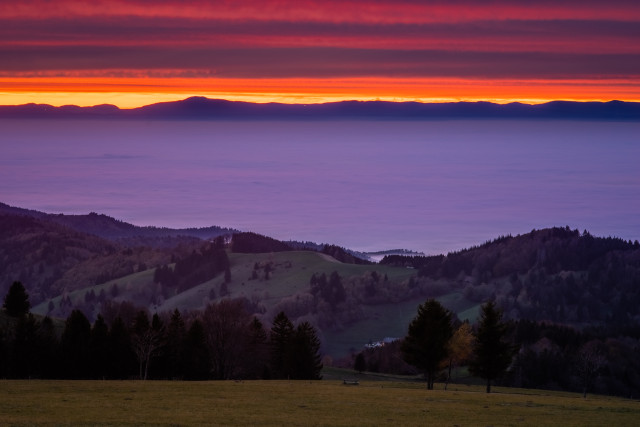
431, 186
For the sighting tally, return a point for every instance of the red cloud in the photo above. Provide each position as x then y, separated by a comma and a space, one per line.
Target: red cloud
406, 39
406, 11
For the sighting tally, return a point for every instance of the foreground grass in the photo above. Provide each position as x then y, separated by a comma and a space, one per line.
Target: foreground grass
276, 403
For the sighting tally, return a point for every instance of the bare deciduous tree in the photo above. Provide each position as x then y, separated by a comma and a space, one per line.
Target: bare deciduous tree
147, 341
589, 362
226, 324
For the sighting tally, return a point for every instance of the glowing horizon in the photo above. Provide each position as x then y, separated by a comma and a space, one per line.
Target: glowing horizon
125, 94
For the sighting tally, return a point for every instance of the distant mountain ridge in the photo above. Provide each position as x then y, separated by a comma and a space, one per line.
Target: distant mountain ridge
115, 230
201, 108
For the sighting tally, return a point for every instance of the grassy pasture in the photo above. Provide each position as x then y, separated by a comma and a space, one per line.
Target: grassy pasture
275, 403
291, 274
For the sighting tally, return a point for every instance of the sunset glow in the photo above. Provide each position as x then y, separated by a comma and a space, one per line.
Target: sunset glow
134, 92
131, 54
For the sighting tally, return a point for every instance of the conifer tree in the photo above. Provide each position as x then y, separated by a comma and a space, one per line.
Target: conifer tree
197, 362
75, 345
280, 342
426, 344
24, 363
255, 355
48, 347
99, 348
174, 352
16, 302
492, 353
306, 357
122, 359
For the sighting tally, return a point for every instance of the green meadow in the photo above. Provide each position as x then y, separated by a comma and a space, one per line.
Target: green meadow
277, 403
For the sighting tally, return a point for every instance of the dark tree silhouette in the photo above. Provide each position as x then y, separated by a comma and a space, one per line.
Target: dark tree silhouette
173, 359
426, 344
147, 340
492, 353
75, 345
360, 364
589, 361
306, 357
280, 346
99, 348
255, 355
25, 361
48, 349
16, 302
197, 362
226, 328
122, 359
255, 243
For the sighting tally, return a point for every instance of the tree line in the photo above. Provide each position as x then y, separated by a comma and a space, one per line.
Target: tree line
432, 343
520, 353
556, 275
222, 342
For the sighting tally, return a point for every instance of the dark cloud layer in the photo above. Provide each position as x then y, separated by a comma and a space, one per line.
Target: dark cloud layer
323, 62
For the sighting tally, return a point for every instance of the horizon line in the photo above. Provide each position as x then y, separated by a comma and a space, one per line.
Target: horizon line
394, 100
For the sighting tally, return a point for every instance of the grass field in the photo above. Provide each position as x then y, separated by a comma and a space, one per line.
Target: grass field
277, 403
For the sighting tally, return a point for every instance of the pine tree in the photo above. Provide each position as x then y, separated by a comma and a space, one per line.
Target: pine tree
426, 344
48, 347
75, 345
280, 343
24, 363
122, 359
255, 354
174, 354
492, 353
16, 302
306, 357
197, 362
99, 348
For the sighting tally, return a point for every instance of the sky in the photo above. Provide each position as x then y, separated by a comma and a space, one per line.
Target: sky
134, 53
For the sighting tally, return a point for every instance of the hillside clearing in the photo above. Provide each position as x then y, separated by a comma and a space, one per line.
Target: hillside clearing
289, 276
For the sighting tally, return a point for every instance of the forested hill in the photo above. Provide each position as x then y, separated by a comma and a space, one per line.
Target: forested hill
39, 252
555, 274
115, 230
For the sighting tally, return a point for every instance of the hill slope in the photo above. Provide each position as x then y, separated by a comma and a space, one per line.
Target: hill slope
115, 230
555, 274
558, 275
